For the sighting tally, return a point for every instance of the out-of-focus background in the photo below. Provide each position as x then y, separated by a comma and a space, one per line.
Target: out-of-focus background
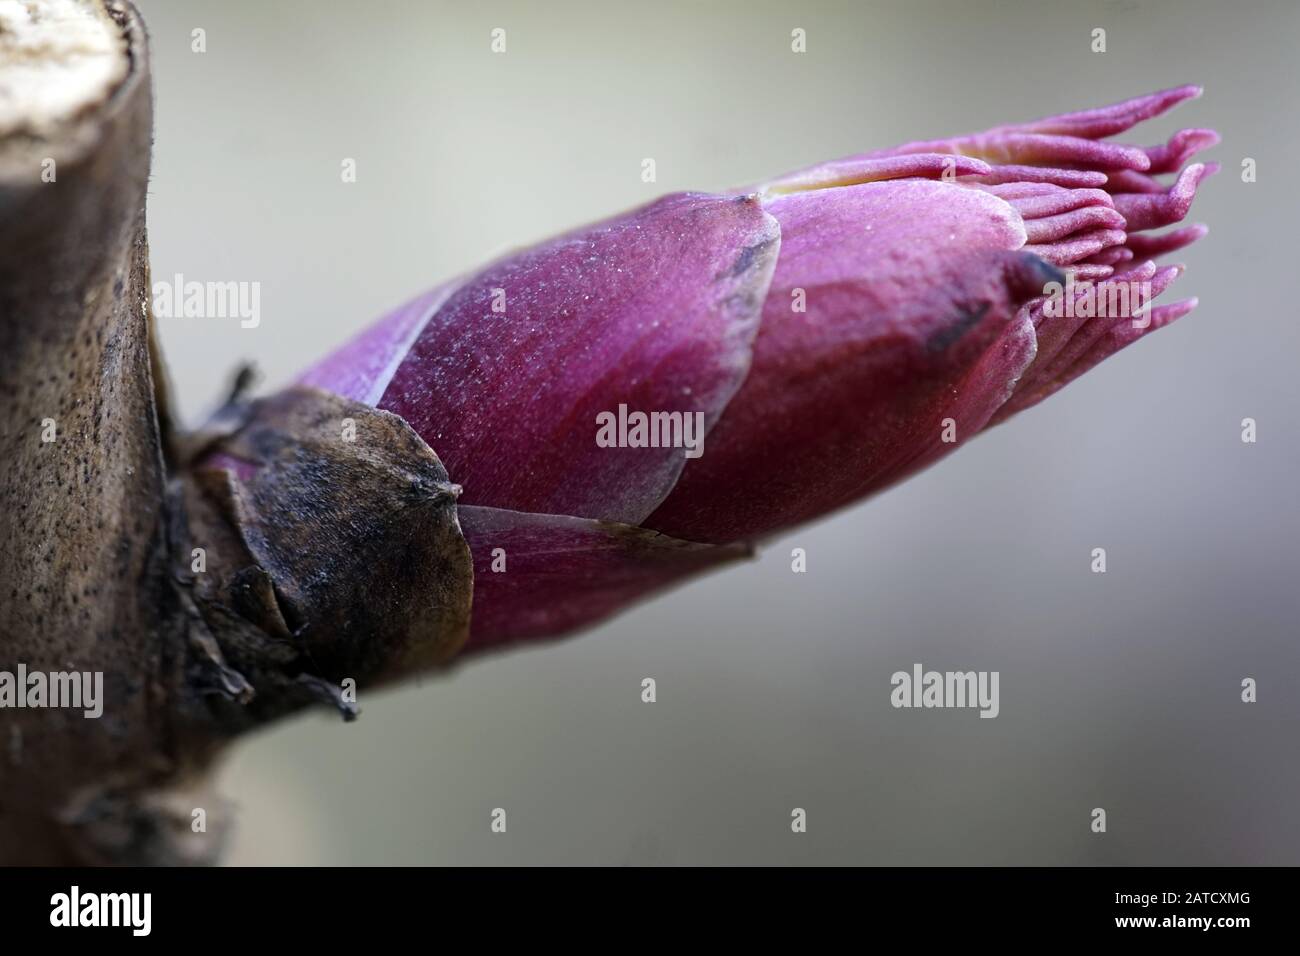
1118, 690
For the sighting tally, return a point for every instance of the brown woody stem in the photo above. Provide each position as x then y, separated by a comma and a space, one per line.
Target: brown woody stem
205, 607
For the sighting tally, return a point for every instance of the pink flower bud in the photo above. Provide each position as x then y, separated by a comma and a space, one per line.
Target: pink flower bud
832, 332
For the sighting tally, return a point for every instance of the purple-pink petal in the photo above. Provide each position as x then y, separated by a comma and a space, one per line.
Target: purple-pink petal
655, 310
905, 286
545, 575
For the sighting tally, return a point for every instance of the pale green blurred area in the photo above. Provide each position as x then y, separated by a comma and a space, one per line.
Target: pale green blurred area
1118, 691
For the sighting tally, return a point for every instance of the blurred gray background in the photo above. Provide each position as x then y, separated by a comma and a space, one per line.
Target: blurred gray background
1118, 690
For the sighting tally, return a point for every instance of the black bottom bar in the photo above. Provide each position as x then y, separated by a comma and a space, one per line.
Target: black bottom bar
332, 906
